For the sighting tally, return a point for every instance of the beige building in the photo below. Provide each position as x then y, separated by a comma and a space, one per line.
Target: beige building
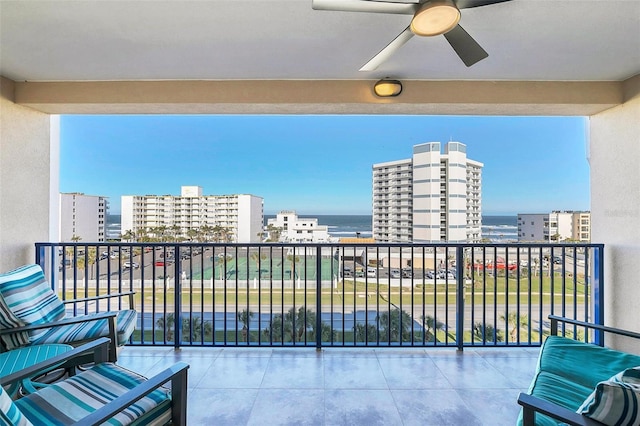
555, 226
430, 197
241, 213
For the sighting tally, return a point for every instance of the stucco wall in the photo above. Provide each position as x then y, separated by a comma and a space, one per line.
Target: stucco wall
25, 184
615, 205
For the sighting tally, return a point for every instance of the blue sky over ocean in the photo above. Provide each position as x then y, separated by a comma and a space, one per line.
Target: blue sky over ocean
320, 164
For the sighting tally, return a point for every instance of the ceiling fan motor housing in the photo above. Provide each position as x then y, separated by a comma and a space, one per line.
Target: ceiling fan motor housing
435, 17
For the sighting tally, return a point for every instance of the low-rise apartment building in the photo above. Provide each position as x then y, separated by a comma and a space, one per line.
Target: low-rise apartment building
240, 214
299, 230
82, 217
555, 226
431, 197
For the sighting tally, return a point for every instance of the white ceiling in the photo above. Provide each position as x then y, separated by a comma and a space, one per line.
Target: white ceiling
66, 40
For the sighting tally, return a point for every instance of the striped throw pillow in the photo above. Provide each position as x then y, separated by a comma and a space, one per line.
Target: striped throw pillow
9, 321
615, 401
29, 296
10, 414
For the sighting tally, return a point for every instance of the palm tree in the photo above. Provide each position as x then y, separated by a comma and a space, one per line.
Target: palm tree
166, 323
75, 238
194, 328
206, 233
274, 233
486, 333
516, 322
295, 325
245, 317
175, 232
432, 326
365, 332
294, 260
128, 236
192, 234
394, 326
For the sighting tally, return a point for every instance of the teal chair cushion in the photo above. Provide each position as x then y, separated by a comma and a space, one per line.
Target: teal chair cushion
68, 401
568, 371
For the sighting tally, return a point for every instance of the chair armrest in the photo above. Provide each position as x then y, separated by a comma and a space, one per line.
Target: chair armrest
103, 296
532, 405
555, 319
66, 321
99, 348
177, 374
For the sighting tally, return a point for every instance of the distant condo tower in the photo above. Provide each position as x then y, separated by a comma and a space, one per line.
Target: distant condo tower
82, 217
242, 214
431, 197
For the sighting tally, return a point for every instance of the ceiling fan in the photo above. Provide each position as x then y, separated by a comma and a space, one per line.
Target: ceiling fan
430, 18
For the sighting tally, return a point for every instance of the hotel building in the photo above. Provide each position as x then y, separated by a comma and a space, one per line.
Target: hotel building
82, 217
299, 230
431, 197
555, 226
242, 214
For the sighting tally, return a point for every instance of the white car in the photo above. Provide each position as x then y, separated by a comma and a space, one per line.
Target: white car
129, 264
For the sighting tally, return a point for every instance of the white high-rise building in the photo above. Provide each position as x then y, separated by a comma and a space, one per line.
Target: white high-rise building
82, 217
242, 214
431, 197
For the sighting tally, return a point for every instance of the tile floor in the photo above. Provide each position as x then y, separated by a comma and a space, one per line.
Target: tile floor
346, 386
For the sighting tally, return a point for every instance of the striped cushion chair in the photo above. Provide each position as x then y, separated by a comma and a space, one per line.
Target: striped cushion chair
103, 394
31, 313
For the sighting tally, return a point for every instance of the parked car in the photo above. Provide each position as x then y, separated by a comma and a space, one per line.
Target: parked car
394, 273
371, 272
129, 264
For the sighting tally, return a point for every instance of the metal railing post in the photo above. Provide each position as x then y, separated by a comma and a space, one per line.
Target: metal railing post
460, 297
318, 297
177, 288
598, 292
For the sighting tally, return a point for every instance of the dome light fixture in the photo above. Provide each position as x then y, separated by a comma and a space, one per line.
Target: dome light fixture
435, 17
387, 88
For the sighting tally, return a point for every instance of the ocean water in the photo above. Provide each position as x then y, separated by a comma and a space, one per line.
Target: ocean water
494, 228
500, 229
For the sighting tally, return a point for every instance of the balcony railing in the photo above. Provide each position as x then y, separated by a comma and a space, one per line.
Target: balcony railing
335, 295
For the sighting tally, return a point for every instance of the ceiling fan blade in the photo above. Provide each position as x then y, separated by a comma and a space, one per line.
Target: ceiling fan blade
365, 6
465, 46
466, 4
389, 50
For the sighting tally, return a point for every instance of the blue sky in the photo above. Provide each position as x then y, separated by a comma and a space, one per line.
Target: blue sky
319, 164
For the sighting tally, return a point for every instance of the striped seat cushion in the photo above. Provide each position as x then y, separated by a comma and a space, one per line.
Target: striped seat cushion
10, 414
29, 296
9, 321
89, 330
68, 401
